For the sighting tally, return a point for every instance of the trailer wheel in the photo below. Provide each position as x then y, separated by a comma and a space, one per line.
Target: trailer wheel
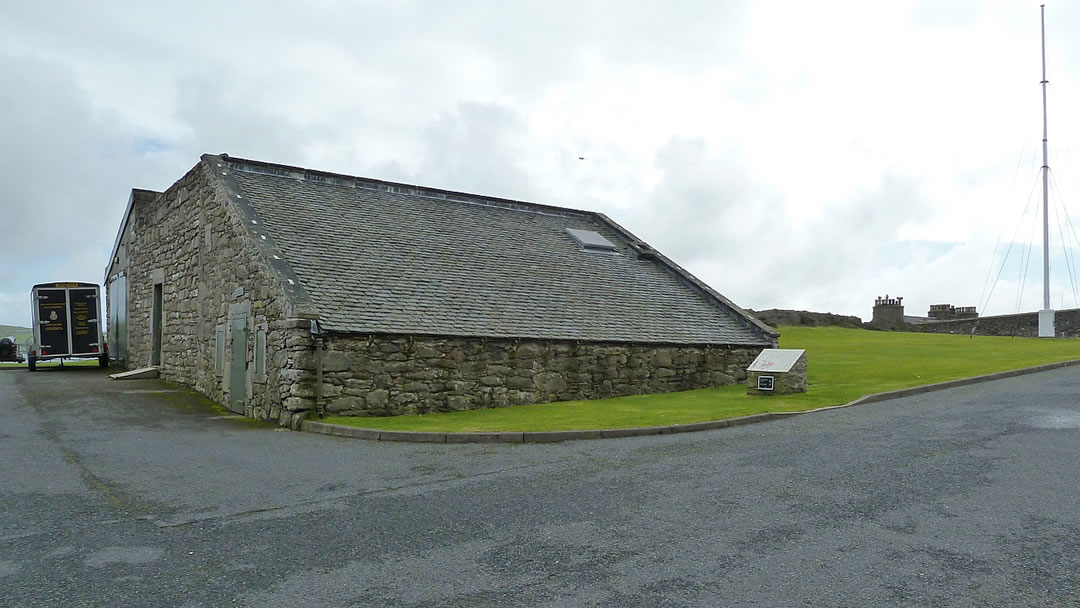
103, 361
31, 362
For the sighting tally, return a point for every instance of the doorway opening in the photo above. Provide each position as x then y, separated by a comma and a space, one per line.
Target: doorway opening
238, 364
156, 326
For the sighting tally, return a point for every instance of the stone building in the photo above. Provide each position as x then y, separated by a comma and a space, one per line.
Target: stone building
281, 292
888, 313
948, 312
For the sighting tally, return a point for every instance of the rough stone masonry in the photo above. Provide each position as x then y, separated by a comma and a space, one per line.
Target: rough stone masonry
387, 375
231, 323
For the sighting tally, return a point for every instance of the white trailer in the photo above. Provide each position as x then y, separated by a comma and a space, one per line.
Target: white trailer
67, 323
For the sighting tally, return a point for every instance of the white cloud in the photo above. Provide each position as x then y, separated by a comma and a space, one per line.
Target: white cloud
65, 170
793, 154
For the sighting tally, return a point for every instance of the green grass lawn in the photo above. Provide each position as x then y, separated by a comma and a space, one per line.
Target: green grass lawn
21, 334
54, 363
844, 364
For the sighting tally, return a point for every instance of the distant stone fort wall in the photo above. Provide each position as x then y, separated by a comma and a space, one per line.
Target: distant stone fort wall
949, 319
1024, 324
777, 317
943, 319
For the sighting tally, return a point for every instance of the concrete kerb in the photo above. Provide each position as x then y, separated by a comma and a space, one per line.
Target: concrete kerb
338, 430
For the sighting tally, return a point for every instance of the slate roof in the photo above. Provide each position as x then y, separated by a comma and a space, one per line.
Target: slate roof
379, 257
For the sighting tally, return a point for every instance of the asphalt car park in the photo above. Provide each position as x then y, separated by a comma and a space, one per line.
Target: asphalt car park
141, 493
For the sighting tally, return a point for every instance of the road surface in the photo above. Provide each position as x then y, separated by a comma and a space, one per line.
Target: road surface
138, 493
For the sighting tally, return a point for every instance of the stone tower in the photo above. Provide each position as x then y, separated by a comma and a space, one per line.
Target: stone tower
888, 313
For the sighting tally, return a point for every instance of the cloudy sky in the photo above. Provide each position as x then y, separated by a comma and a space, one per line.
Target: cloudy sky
808, 155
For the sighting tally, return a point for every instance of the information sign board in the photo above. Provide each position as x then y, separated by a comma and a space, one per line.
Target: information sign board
776, 360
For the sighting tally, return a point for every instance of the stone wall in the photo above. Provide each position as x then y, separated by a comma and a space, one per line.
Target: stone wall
388, 375
197, 249
1025, 324
776, 317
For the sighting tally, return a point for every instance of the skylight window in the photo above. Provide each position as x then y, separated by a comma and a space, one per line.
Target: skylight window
591, 241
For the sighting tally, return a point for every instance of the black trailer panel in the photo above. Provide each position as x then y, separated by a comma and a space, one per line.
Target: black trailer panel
67, 323
84, 320
52, 319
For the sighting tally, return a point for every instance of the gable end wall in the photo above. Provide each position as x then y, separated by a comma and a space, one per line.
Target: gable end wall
191, 240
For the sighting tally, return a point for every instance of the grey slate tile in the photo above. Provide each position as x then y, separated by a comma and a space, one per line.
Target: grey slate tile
375, 261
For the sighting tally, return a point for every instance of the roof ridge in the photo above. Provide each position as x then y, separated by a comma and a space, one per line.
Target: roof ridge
369, 183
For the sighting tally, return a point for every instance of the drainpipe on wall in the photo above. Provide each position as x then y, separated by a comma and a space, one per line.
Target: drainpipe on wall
316, 332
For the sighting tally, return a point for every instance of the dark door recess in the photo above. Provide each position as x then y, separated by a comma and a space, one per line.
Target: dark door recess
238, 365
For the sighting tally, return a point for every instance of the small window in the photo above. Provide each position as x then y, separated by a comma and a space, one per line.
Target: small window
219, 350
260, 351
591, 241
